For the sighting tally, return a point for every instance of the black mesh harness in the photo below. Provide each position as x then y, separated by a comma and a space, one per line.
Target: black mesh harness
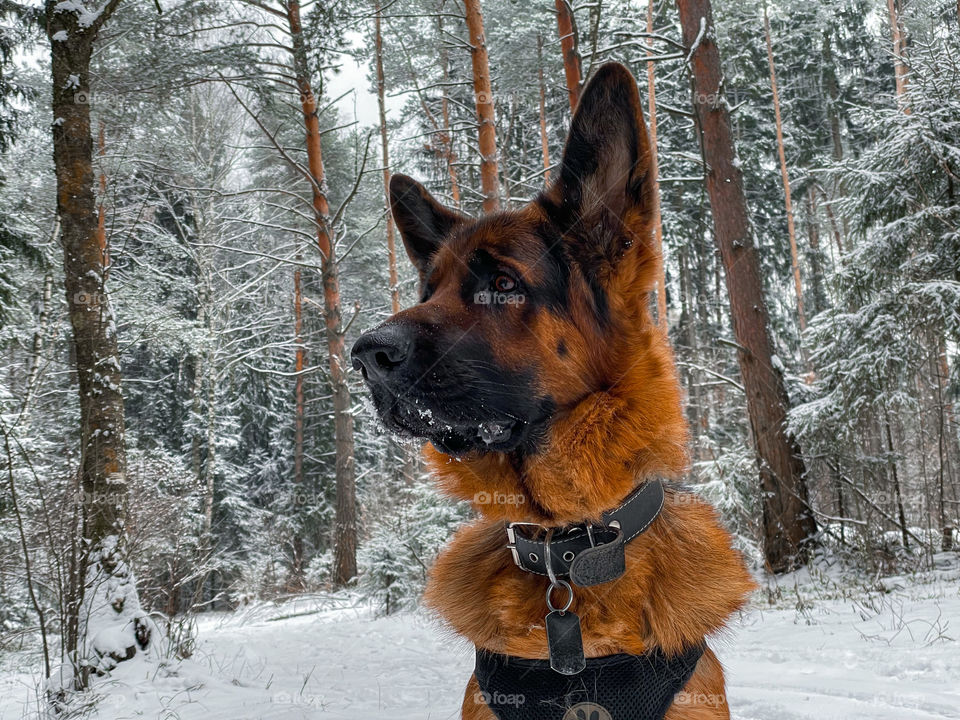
569, 686
615, 687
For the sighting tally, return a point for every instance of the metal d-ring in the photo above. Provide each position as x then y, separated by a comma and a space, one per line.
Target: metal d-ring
555, 582
560, 584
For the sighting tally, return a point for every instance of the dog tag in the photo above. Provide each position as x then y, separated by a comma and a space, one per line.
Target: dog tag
565, 642
600, 564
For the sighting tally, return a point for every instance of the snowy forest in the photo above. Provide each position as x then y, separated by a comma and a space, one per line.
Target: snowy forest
200, 513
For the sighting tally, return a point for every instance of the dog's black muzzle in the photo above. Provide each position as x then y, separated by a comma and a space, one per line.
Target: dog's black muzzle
447, 387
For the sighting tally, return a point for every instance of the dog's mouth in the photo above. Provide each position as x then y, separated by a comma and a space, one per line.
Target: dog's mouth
493, 432
453, 434
490, 435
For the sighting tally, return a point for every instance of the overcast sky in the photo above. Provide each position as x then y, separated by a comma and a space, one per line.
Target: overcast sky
360, 103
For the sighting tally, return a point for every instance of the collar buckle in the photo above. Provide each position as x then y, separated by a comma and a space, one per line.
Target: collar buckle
512, 539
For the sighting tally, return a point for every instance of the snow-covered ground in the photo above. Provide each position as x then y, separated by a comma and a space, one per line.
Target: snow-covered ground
809, 648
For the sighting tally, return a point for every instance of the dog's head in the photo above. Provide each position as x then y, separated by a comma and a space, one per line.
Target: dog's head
524, 313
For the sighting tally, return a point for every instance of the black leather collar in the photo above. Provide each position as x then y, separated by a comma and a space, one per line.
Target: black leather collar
589, 554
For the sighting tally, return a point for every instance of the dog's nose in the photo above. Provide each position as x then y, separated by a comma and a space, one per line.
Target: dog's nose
378, 353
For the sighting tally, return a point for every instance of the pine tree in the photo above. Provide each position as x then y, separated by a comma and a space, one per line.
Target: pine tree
789, 525
569, 41
898, 304
346, 518
483, 92
101, 562
784, 173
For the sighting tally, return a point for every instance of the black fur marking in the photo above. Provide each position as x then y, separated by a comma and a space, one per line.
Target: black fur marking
555, 288
561, 215
600, 304
562, 348
426, 291
536, 433
424, 224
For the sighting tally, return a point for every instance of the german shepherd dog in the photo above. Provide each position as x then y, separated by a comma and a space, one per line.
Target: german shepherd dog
532, 366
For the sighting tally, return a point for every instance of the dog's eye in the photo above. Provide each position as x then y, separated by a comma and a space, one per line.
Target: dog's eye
504, 283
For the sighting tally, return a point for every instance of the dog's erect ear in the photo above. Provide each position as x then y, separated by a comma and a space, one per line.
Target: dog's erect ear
604, 185
423, 222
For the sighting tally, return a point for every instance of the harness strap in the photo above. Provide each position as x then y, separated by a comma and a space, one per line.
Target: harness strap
601, 542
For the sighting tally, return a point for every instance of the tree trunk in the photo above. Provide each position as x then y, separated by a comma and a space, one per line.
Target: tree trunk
784, 175
837, 239
406, 455
103, 472
833, 117
299, 412
506, 145
484, 99
382, 107
203, 399
947, 447
210, 460
816, 266
788, 523
833, 91
687, 335
39, 339
567, 30
892, 463
899, 55
451, 156
101, 209
544, 144
654, 174
345, 523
